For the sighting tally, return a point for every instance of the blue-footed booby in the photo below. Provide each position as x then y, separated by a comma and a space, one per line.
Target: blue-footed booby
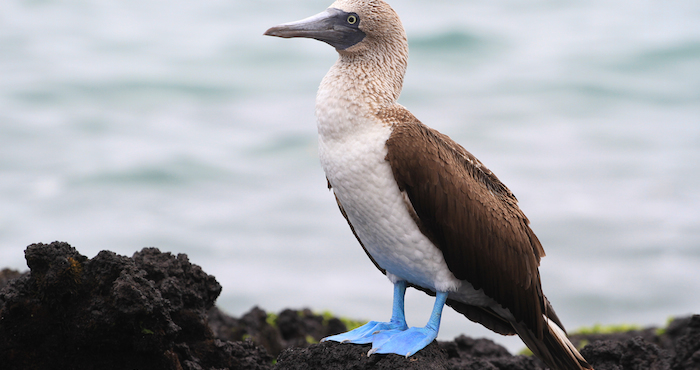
427, 212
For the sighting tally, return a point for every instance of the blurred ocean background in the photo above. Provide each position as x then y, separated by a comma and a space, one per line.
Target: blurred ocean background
176, 124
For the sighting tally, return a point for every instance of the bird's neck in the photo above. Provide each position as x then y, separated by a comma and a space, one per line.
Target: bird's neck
377, 75
355, 89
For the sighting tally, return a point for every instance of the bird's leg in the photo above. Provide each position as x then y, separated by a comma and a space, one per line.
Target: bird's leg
398, 317
364, 333
412, 340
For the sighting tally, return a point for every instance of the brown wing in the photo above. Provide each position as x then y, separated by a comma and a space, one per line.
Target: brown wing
469, 214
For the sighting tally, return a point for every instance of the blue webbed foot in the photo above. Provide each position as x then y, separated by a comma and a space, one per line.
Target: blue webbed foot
395, 336
365, 333
404, 343
410, 341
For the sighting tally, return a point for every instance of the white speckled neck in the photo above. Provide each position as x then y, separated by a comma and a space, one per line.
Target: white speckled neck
355, 89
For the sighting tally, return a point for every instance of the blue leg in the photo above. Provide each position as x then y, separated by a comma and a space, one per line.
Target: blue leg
410, 341
365, 333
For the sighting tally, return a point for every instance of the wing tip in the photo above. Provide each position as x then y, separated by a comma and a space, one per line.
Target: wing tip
554, 348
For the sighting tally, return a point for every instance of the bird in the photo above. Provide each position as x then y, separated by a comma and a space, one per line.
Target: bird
426, 211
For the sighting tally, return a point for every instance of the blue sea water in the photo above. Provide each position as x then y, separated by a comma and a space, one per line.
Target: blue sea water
176, 124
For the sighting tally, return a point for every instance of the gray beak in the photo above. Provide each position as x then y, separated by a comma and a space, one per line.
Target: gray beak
333, 26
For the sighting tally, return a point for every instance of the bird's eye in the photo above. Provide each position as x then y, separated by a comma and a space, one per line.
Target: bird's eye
352, 19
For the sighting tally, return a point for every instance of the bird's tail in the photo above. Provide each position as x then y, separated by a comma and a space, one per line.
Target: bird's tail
554, 348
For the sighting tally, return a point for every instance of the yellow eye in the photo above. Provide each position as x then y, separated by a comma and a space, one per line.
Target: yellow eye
352, 19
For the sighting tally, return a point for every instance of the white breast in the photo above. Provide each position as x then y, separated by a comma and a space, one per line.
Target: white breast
363, 182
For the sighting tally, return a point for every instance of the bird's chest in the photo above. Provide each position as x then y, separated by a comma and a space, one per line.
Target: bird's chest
363, 181
361, 177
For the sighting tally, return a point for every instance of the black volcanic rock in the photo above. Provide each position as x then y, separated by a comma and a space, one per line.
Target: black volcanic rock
336, 356
635, 353
275, 332
114, 312
156, 311
462, 353
687, 347
469, 353
6, 275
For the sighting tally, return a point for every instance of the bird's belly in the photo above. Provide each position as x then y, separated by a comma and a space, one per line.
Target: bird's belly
363, 181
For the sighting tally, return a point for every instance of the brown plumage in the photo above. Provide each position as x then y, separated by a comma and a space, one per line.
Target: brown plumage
471, 216
464, 209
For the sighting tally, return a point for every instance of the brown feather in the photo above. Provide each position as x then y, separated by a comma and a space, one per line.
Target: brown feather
469, 214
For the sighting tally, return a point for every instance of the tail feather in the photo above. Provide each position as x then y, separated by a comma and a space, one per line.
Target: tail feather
554, 348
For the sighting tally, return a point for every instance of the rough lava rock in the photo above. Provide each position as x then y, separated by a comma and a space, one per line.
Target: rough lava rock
156, 311
687, 348
290, 328
675, 348
6, 275
332, 355
462, 353
114, 312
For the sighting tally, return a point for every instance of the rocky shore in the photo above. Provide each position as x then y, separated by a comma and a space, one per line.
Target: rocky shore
156, 310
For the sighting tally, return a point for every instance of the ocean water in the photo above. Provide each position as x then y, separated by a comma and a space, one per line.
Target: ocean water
176, 124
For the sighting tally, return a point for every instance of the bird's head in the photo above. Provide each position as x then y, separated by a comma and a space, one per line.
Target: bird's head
352, 27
